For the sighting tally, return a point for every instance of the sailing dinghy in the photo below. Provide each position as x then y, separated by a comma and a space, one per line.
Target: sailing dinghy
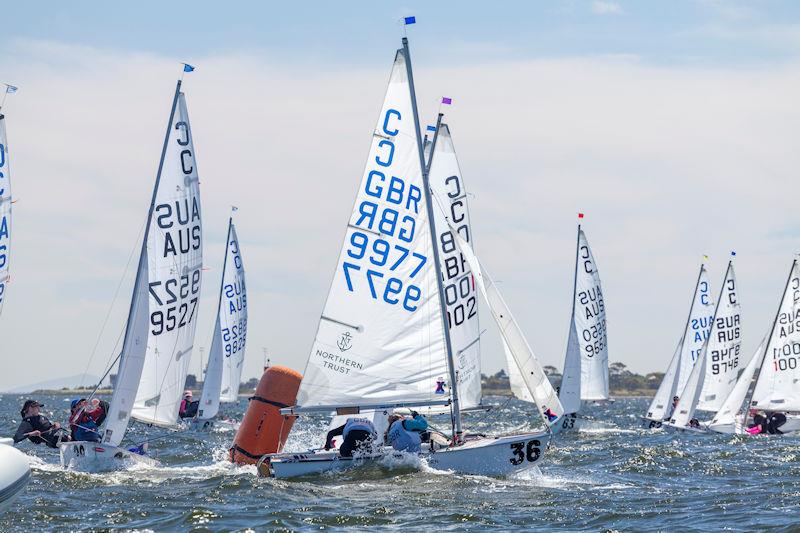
383, 342
224, 368
585, 376
695, 334
159, 334
15, 473
775, 367
714, 374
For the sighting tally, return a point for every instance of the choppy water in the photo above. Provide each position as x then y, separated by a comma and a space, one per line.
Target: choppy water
610, 476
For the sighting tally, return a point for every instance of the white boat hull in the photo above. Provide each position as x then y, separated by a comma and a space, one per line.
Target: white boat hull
649, 423
15, 473
487, 456
95, 456
568, 423
791, 428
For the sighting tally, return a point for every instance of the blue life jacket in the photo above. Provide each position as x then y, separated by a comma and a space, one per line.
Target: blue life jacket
84, 432
363, 424
404, 434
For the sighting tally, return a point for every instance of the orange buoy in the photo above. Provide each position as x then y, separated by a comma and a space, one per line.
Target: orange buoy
264, 429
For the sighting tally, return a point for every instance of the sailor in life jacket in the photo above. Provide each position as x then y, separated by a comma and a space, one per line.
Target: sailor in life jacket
358, 435
404, 433
86, 418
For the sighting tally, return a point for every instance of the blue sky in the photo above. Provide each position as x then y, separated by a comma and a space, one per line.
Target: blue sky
673, 125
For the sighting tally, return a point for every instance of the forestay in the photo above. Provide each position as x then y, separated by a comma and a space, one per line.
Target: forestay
776, 388
175, 256
224, 370
527, 365
461, 297
585, 375
5, 211
380, 339
714, 374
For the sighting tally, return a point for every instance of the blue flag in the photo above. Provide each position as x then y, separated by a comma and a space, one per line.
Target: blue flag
10, 89
431, 128
187, 67
410, 20
733, 253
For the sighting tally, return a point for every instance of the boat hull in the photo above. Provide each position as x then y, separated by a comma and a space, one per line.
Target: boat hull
791, 428
649, 423
98, 457
15, 473
487, 456
569, 423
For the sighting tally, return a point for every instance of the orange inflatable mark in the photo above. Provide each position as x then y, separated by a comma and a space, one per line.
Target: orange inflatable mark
264, 429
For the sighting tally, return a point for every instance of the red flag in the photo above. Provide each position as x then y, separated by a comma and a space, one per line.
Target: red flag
580, 215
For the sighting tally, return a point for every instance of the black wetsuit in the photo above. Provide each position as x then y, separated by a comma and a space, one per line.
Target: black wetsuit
359, 436
50, 435
776, 420
191, 409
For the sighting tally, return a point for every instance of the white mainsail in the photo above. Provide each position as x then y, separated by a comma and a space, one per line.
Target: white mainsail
714, 374
585, 375
461, 297
5, 211
175, 257
726, 416
381, 338
695, 334
224, 370
776, 388
527, 366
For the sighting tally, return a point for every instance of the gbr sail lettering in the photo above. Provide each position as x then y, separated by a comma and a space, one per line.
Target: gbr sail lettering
727, 329
786, 351
5, 227
379, 249
178, 235
234, 304
592, 308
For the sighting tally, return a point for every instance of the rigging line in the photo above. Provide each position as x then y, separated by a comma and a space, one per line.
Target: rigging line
111, 307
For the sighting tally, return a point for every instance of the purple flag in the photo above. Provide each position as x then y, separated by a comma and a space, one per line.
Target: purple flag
446, 100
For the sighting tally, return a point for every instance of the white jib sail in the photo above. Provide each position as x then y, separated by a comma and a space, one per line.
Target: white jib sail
5, 211
380, 338
777, 386
726, 416
697, 328
586, 361
543, 393
175, 257
461, 296
515, 380
714, 374
224, 370
661, 405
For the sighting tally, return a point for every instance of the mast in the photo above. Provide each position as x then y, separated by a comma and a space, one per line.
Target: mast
769, 342
456, 410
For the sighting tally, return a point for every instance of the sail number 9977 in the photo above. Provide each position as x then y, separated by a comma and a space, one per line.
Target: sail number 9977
167, 293
522, 451
378, 255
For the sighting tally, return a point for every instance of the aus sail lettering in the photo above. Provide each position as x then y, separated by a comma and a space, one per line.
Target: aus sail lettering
380, 257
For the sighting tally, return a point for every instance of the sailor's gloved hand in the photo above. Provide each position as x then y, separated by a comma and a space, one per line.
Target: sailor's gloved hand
414, 414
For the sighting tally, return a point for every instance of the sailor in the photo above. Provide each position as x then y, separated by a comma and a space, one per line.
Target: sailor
86, 418
694, 423
37, 428
774, 421
404, 434
675, 400
358, 435
760, 422
188, 408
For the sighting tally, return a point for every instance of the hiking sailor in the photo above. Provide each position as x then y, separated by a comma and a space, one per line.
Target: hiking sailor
358, 434
37, 428
404, 434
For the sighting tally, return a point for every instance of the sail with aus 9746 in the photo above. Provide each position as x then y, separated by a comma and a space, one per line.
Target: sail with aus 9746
5, 210
380, 339
175, 260
224, 369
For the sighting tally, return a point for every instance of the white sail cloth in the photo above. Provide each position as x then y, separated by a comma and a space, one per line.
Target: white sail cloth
714, 374
174, 264
527, 366
725, 419
585, 375
461, 296
695, 334
777, 386
224, 370
380, 339
5, 211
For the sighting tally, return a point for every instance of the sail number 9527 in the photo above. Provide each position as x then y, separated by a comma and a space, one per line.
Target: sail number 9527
522, 451
171, 294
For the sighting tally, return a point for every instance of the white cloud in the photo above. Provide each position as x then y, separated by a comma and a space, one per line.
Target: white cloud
602, 7
668, 163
